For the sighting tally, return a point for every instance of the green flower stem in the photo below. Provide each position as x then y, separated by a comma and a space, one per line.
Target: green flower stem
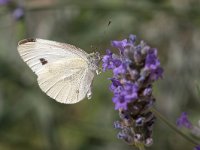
142, 147
173, 127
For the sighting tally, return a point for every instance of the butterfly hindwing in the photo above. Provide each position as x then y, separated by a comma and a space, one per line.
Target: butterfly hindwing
62, 80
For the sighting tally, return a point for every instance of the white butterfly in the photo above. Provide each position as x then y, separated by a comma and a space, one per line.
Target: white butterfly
64, 72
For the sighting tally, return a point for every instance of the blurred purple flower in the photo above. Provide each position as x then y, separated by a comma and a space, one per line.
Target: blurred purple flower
16, 10
132, 39
18, 13
134, 69
4, 2
183, 121
197, 147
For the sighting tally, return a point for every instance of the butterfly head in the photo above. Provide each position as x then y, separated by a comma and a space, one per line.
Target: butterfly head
94, 59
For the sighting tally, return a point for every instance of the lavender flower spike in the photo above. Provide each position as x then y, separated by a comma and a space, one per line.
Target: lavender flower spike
134, 68
4, 2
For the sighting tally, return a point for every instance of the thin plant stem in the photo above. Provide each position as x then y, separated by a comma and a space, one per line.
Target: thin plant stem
142, 147
173, 127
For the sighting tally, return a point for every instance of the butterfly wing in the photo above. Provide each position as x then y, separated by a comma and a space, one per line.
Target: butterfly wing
37, 52
62, 69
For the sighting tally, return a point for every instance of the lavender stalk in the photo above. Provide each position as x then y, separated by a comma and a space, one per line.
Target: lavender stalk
135, 69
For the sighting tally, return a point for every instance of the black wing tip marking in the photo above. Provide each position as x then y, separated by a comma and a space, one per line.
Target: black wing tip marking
43, 61
26, 41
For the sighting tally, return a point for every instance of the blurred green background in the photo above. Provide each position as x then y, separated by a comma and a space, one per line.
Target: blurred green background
31, 120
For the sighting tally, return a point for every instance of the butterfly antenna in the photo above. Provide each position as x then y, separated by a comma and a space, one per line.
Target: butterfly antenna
105, 31
108, 25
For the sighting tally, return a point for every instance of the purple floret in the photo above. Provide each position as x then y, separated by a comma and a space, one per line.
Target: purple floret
120, 44
183, 121
120, 102
109, 62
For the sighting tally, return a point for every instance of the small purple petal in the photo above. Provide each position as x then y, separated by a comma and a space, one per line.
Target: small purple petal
115, 82
130, 92
153, 65
120, 69
156, 74
132, 38
109, 62
120, 102
116, 86
131, 97
183, 121
152, 61
107, 59
116, 89
121, 45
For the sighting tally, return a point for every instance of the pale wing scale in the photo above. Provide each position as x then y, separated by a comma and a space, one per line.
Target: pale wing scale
71, 95
66, 89
55, 91
51, 83
58, 88
44, 78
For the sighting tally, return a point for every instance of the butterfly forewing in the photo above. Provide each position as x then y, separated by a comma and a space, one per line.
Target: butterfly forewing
36, 51
62, 69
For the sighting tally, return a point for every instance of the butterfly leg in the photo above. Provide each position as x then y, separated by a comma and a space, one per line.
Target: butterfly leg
89, 93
